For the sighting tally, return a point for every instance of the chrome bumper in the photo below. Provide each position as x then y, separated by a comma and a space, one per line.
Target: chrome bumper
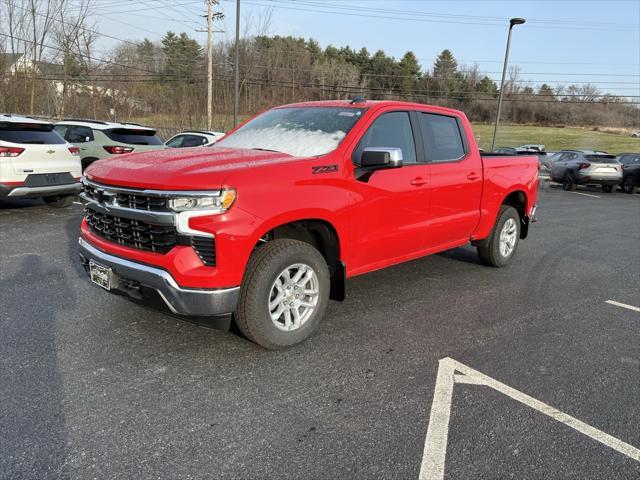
48, 191
182, 301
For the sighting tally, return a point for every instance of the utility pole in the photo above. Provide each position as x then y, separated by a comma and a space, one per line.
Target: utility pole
236, 92
211, 16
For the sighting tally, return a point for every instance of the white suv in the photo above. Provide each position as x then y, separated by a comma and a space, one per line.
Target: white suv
35, 161
194, 138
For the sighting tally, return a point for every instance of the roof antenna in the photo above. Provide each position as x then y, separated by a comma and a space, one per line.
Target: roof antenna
357, 99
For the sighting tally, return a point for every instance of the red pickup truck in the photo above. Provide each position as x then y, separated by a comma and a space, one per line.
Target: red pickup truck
269, 223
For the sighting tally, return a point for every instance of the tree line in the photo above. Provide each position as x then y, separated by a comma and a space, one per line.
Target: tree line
164, 82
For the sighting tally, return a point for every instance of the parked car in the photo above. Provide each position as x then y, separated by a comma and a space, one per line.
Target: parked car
538, 147
269, 223
527, 150
194, 138
630, 171
635, 134
36, 162
97, 139
582, 167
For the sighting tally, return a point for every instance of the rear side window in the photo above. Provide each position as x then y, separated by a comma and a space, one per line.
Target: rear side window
442, 137
193, 141
79, 134
33, 133
390, 130
176, 142
133, 136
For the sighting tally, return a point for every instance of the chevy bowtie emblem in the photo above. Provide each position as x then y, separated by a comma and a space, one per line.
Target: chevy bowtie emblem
51, 151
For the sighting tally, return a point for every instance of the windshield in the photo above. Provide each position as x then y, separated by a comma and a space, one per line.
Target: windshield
36, 133
297, 131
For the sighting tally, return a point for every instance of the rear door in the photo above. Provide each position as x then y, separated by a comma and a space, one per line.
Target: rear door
391, 206
44, 150
455, 180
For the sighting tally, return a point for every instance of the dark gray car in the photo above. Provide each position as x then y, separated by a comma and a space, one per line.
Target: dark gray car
575, 167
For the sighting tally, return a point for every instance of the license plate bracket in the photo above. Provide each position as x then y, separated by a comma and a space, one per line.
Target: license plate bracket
100, 275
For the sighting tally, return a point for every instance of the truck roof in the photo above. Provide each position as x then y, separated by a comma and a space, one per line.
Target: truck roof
370, 103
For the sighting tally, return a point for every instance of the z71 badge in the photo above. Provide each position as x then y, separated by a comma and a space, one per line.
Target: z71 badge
324, 169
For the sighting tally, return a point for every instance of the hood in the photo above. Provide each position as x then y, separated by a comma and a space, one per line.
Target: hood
198, 168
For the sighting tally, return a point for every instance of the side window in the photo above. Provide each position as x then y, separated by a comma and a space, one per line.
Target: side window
442, 138
61, 129
193, 141
79, 134
176, 142
390, 130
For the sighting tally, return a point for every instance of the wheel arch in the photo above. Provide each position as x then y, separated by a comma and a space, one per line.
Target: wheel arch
518, 200
319, 233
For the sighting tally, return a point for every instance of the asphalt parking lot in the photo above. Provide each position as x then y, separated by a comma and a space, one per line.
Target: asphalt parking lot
94, 386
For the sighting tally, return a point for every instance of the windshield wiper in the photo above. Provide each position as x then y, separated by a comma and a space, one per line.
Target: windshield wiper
266, 150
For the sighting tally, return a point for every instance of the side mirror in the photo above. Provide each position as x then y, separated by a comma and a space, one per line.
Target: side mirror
377, 158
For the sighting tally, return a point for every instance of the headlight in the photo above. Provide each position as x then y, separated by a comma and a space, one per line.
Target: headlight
217, 202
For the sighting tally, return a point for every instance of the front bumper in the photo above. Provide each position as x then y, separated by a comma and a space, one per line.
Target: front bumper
129, 276
35, 192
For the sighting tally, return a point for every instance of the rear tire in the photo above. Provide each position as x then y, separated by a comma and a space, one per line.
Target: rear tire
499, 248
59, 202
263, 285
629, 185
569, 182
608, 188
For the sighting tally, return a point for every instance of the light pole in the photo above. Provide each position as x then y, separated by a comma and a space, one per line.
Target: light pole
512, 22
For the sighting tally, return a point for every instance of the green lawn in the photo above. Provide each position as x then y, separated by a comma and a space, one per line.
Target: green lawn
554, 138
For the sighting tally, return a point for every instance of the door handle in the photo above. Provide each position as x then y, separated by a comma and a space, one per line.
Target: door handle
418, 181
473, 176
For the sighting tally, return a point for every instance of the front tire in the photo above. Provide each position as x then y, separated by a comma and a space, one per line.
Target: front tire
59, 202
284, 294
499, 248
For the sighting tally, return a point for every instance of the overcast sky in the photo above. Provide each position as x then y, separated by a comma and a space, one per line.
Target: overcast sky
563, 42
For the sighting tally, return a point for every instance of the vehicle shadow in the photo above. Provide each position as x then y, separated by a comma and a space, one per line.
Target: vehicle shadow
32, 425
17, 204
461, 254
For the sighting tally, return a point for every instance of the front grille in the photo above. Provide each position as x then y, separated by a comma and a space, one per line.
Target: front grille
205, 247
132, 233
128, 199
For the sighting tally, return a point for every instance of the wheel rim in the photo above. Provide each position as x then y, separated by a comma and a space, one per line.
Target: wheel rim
293, 297
508, 237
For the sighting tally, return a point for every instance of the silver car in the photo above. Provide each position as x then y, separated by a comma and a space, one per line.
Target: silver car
582, 167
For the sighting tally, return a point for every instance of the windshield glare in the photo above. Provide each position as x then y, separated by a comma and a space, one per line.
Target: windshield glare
297, 131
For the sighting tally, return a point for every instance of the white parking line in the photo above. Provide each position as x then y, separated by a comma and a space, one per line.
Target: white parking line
585, 194
77, 203
623, 305
435, 447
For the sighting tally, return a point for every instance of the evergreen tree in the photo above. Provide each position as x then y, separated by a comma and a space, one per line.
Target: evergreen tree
445, 65
182, 55
410, 71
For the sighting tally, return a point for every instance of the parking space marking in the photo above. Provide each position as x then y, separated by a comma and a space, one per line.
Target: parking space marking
77, 203
585, 194
623, 305
451, 372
